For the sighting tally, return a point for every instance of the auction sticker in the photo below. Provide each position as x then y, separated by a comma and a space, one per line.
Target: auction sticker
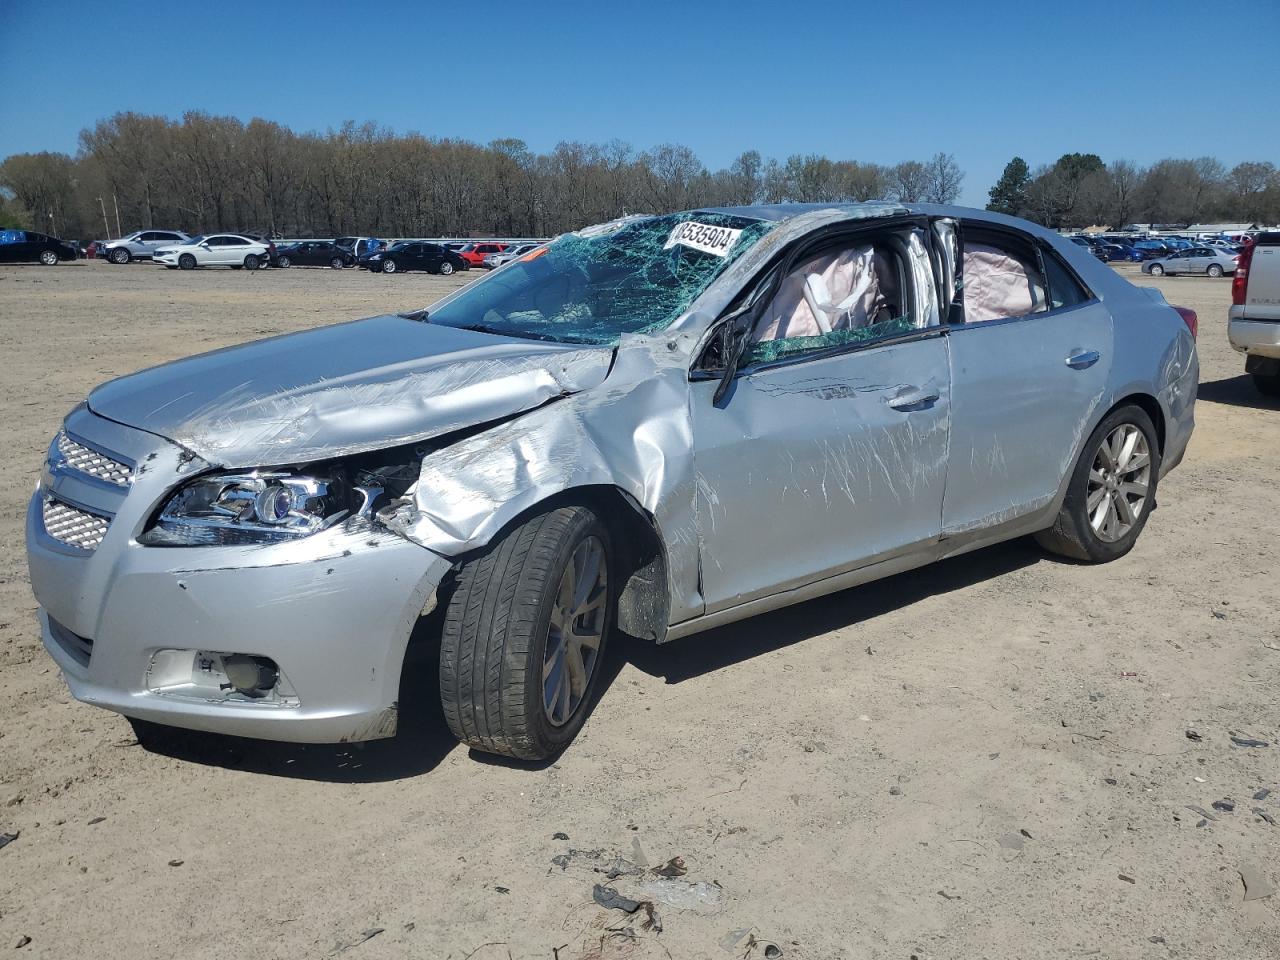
716, 241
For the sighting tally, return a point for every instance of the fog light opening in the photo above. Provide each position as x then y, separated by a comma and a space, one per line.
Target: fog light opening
253, 677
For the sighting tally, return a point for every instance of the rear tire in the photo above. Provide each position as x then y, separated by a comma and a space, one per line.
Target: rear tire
1094, 485
1215, 270
518, 672
187, 262
120, 255
1267, 384
446, 268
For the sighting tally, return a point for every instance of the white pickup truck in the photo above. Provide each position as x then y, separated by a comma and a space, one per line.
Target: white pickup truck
1253, 325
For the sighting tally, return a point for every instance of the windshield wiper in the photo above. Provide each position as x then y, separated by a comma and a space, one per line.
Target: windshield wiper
521, 334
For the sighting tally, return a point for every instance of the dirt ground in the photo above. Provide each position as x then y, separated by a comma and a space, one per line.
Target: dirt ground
987, 758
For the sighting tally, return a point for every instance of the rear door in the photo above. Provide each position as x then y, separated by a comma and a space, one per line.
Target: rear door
1025, 380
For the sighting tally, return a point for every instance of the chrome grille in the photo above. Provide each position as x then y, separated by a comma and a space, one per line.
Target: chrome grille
76, 528
79, 457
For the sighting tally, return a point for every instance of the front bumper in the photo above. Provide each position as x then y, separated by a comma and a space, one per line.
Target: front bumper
1257, 337
169, 259
334, 610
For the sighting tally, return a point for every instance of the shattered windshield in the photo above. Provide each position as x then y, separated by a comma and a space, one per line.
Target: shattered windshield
632, 276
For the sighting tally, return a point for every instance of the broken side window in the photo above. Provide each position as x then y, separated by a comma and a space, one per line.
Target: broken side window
851, 293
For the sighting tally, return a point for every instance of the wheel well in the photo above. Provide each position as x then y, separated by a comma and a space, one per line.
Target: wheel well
1151, 407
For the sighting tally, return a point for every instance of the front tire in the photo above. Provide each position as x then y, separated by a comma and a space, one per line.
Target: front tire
120, 255
1112, 490
389, 266
284, 263
1215, 270
522, 647
337, 263
187, 262
1157, 270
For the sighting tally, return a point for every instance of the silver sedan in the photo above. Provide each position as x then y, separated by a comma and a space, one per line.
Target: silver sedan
1206, 261
651, 427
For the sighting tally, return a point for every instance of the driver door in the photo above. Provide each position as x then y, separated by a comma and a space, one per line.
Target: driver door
824, 459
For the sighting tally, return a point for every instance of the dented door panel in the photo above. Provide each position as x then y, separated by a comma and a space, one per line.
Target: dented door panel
807, 469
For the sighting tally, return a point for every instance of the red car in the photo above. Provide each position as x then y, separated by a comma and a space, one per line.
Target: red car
474, 253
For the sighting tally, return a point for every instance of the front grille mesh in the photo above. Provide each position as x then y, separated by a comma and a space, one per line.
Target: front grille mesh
76, 528
79, 457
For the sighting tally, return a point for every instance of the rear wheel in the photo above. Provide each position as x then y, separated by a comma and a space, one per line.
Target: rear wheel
389, 266
252, 262
1157, 270
1112, 490
524, 636
120, 255
187, 262
1215, 270
1267, 384
446, 267
49, 258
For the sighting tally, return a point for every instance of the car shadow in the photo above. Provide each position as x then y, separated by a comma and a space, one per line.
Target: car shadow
1237, 392
423, 739
715, 649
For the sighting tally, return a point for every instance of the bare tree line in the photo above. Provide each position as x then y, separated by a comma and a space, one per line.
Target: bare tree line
208, 172
1080, 190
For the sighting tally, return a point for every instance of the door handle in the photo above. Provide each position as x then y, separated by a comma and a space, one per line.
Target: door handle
1081, 359
909, 397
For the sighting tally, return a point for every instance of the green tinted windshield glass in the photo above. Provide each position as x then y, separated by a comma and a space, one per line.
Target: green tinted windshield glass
635, 276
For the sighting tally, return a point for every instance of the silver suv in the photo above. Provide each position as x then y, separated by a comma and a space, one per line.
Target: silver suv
141, 244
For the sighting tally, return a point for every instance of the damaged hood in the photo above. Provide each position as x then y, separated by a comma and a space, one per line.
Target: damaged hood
345, 389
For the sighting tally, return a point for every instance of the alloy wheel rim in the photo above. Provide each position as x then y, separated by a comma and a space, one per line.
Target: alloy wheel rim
575, 632
1119, 481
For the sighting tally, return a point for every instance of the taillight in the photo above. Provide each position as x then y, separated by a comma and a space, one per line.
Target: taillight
1241, 279
1190, 319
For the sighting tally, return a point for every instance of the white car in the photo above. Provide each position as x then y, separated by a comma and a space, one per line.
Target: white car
215, 250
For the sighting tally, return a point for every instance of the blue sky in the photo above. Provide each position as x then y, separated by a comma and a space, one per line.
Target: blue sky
878, 81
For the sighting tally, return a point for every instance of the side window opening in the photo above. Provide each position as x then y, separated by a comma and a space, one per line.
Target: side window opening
1002, 277
851, 292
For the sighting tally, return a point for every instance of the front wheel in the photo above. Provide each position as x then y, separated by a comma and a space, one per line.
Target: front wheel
389, 266
446, 268
284, 262
337, 263
1215, 270
1157, 270
48, 258
524, 636
120, 255
1111, 492
187, 262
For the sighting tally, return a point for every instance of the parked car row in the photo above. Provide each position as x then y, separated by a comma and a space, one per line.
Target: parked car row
1112, 247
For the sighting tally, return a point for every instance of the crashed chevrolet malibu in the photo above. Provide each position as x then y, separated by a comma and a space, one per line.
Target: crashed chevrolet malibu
650, 427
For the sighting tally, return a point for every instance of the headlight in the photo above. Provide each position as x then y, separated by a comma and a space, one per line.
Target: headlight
261, 506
